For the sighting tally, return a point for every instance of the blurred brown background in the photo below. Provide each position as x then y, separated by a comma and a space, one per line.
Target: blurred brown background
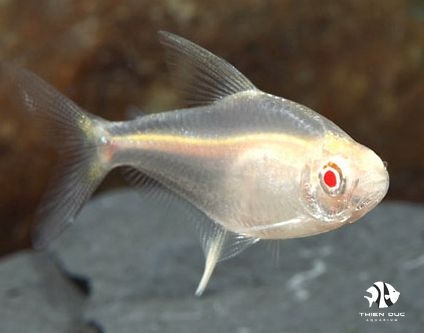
358, 62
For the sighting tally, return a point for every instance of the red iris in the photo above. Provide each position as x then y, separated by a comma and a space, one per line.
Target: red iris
330, 178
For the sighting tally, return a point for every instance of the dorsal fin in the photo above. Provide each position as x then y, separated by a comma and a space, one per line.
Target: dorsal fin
134, 112
201, 76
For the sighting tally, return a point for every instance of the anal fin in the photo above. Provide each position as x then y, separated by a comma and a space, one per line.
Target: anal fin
212, 255
218, 245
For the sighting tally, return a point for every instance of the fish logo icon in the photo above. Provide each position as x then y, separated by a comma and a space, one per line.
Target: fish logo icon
383, 294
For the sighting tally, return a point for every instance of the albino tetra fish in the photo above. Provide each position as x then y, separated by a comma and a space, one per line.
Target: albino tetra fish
255, 165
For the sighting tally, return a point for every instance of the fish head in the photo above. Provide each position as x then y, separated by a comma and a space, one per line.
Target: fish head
343, 181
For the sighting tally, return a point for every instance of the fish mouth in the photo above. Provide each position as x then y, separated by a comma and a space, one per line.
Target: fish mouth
372, 185
364, 202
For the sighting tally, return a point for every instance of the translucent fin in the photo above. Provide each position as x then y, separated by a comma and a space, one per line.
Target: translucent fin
202, 77
219, 244
273, 245
140, 180
74, 132
213, 251
134, 112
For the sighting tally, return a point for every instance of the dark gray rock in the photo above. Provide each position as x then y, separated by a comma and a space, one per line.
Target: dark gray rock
36, 297
143, 265
137, 265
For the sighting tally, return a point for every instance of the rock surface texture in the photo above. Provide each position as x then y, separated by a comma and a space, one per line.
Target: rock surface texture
132, 266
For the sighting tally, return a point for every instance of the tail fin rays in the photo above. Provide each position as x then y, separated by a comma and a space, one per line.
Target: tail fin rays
77, 135
70, 187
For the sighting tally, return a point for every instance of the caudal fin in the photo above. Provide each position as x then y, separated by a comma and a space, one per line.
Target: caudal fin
77, 135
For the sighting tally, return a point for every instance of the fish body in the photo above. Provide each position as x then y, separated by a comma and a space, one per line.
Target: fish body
255, 166
242, 161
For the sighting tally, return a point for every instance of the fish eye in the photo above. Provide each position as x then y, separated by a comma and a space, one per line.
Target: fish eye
332, 180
